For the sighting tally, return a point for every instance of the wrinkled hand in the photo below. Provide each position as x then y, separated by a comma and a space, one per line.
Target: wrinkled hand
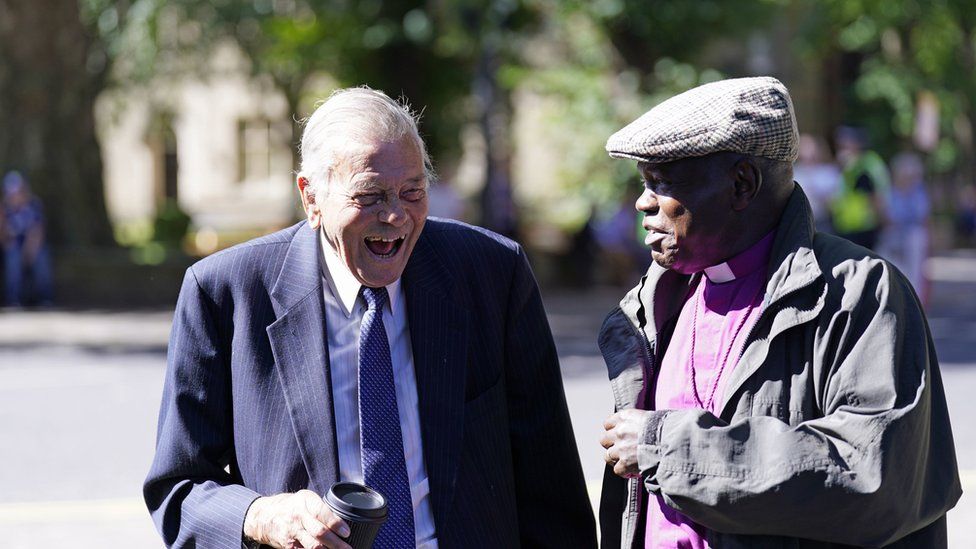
623, 433
289, 521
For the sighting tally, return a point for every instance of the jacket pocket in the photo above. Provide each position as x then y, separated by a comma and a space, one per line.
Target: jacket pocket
779, 409
490, 400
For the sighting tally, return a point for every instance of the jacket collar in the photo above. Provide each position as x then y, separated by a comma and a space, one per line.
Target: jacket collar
301, 356
792, 263
793, 266
439, 327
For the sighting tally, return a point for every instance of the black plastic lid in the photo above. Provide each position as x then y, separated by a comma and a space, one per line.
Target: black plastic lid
356, 500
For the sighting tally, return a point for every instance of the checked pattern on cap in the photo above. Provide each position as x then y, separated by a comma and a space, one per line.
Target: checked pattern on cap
384, 467
752, 116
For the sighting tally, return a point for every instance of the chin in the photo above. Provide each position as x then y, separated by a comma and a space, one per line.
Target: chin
377, 281
375, 278
664, 259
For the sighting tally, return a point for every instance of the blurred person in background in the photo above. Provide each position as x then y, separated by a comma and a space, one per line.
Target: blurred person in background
905, 240
619, 237
368, 344
858, 210
578, 265
820, 178
774, 386
965, 222
27, 262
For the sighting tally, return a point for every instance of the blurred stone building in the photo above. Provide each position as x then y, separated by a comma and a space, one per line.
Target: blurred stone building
219, 148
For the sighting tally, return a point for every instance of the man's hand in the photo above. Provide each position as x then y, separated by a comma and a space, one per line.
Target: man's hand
288, 521
623, 433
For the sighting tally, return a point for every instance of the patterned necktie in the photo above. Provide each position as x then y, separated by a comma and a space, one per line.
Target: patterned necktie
384, 467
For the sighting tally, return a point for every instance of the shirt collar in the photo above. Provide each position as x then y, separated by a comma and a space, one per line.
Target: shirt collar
747, 262
344, 285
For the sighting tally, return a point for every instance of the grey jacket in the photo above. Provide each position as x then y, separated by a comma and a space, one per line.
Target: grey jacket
834, 430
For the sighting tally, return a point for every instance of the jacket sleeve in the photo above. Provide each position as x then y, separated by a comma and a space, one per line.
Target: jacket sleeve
879, 463
194, 499
553, 506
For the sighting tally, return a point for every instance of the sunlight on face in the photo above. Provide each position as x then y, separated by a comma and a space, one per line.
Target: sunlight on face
375, 207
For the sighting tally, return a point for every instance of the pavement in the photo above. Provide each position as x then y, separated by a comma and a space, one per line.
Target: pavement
79, 394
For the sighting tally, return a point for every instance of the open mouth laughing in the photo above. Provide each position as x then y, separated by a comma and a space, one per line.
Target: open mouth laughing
384, 247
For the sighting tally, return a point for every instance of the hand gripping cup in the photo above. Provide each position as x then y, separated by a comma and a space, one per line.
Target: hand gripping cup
363, 509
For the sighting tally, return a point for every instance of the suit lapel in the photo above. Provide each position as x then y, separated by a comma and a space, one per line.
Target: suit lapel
302, 359
439, 337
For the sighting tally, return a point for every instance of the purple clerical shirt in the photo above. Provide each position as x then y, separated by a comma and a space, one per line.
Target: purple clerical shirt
708, 339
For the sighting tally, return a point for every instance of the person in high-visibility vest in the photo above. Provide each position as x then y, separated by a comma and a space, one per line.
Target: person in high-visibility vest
857, 212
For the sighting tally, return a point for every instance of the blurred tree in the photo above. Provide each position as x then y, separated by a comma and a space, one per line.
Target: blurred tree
896, 53
602, 63
54, 63
644, 32
878, 59
440, 55
492, 28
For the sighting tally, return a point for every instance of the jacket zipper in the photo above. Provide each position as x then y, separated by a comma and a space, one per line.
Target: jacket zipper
634, 503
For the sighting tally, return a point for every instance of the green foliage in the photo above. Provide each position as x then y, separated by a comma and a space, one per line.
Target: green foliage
644, 32
906, 47
425, 51
129, 37
170, 225
597, 63
605, 63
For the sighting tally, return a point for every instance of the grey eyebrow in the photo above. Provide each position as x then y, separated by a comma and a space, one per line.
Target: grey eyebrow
366, 186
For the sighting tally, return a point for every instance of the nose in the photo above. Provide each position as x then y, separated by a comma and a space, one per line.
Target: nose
394, 214
647, 202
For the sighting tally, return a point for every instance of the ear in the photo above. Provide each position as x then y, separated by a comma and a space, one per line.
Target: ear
307, 191
747, 180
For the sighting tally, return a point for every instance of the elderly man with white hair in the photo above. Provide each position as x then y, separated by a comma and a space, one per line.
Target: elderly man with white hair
370, 344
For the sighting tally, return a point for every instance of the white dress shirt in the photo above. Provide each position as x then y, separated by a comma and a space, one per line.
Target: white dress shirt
344, 310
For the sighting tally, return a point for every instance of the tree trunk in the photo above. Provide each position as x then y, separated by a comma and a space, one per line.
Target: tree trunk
497, 203
49, 80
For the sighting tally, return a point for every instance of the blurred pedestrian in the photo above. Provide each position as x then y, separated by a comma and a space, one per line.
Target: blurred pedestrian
619, 237
965, 218
579, 263
858, 210
27, 262
774, 386
367, 344
820, 178
905, 240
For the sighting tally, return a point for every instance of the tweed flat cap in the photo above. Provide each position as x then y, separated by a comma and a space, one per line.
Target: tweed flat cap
751, 116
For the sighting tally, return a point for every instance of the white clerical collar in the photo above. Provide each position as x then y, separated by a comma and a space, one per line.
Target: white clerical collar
344, 285
720, 274
746, 262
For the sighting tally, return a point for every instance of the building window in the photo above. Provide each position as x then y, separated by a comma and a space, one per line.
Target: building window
162, 141
255, 145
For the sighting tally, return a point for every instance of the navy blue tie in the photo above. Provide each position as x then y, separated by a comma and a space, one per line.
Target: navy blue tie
384, 467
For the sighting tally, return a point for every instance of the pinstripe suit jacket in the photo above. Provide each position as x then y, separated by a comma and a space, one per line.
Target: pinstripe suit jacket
247, 404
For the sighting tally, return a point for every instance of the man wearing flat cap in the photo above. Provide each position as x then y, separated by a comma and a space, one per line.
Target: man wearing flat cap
774, 386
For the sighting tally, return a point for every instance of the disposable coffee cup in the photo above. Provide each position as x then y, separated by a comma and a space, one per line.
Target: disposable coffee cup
363, 509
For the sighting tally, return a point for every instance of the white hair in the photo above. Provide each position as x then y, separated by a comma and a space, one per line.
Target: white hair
357, 115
